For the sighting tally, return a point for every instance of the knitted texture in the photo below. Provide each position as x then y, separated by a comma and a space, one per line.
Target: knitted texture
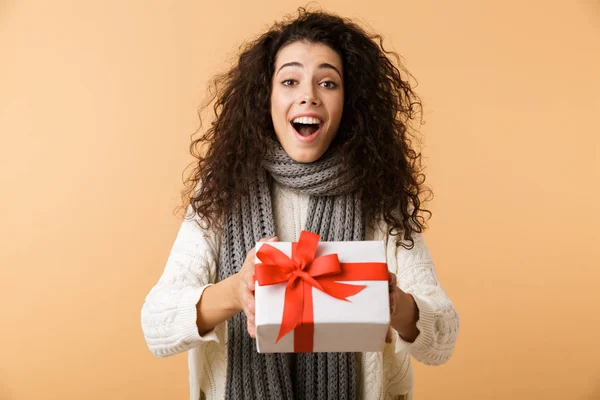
335, 213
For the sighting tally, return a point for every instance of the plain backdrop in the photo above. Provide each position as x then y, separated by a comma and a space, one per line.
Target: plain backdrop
98, 102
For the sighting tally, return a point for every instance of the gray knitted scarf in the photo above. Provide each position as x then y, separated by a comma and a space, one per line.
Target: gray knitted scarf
335, 213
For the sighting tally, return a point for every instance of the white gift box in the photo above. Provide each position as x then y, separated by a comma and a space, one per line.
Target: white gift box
357, 325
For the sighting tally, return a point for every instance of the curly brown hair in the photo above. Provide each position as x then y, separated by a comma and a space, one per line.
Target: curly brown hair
373, 134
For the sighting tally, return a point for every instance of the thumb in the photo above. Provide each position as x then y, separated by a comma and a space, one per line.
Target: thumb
273, 239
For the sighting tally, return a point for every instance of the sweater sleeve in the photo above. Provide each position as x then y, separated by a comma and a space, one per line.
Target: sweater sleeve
169, 311
438, 322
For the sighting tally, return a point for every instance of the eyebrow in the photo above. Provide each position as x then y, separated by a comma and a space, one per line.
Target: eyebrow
320, 66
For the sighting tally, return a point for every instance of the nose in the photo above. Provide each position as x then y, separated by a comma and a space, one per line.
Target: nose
308, 96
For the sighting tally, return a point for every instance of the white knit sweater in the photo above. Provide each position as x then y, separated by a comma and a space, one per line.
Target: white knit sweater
169, 312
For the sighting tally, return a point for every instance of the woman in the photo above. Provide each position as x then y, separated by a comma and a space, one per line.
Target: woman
310, 134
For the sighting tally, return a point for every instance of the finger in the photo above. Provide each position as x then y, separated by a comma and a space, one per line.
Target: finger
273, 239
250, 318
392, 280
251, 325
249, 264
251, 330
250, 304
250, 322
247, 270
388, 336
247, 297
244, 302
249, 278
250, 256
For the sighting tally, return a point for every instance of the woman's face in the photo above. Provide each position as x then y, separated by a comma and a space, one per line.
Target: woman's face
307, 99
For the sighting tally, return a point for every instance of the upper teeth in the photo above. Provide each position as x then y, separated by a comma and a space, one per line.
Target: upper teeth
306, 120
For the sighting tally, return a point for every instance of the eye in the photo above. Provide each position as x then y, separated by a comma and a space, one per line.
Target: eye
288, 82
329, 84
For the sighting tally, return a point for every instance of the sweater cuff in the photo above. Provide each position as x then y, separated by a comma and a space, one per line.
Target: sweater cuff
188, 316
425, 325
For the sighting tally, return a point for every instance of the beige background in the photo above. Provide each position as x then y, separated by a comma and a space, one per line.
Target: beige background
97, 105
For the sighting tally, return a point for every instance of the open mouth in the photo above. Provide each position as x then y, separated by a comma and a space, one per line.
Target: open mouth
306, 130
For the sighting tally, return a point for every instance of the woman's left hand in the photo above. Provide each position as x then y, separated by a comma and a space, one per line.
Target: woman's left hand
404, 313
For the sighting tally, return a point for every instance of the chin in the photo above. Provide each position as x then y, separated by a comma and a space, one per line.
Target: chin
304, 155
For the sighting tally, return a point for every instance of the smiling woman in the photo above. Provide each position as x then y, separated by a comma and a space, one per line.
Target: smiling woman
310, 134
307, 99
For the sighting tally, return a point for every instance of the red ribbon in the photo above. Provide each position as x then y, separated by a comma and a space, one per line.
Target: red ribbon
302, 272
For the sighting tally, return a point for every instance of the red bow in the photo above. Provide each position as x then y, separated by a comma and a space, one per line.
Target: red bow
302, 272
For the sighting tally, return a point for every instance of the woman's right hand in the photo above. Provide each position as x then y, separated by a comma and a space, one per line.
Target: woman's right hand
246, 287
